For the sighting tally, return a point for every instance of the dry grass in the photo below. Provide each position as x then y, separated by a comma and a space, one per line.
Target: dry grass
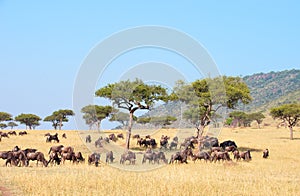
278, 175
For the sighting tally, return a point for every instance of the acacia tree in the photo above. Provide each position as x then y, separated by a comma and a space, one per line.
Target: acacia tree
94, 114
122, 118
132, 96
5, 116
12, 124
3, 126
162, 120
289, 113
55, 120
58, 117
258, 117
29, 120
208, 96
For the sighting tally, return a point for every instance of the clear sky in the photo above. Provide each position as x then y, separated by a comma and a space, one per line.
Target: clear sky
42, 44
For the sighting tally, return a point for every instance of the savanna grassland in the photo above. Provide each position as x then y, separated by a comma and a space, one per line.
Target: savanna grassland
278, 175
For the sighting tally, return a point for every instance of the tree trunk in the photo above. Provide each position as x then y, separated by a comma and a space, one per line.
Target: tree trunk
98, 125
291, 132
60, 123
129, 130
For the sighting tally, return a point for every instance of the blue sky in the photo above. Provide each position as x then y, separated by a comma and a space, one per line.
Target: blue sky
42, 44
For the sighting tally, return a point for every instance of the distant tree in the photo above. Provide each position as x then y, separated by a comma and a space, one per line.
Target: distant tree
258, 117
55, 120
238, 118
162, 120
122, 118
289, 113
94, 114
3, 126
12, 124
29, 120
5, 116
132, 96
207, 96
143, 120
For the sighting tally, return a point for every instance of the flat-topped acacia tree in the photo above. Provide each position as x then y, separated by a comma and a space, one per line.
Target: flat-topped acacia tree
132, 96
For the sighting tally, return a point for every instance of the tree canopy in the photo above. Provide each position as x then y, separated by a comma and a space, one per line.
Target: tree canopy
122, 118
132, 96
29, 120
58, 117
3, 125
94, 114
12, 124
5, 116
289, 113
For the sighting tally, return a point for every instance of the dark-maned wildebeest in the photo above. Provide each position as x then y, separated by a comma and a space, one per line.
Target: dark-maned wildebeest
217, 156
266, 153
109, 157
128, 156
94, 159
68, 156
88, 139
228, 143
120, 135
22, 133
4, 135
136, 136
163, 143
12, 133
113, 137
201, 155
52, 137
54, 158
37, 156
4, 154
246, 155
79, 157
55, 149
64, 135
181, 156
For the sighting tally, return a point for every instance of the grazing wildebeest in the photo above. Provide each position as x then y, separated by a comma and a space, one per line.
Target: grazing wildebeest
98, 143
120, 135
64, 135
18, 157
4, 135
160, 156
266, 153
12, 133
22, 133
56, 149
88, 139
208, 142
236, 155
246, 155
68, 156
128, 156
52, 137
79, 157
10, 159
54, 158
109, 157
228, 143
173, 144
4, 154
201, 155
94, 159
217, 156
37, 156
136, 136
181, 156
66, 149
47, 134
151, 156
113, 137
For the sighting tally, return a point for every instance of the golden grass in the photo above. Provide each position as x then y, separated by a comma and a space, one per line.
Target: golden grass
278, 175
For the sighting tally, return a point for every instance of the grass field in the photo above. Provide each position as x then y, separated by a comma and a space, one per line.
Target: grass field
278, 175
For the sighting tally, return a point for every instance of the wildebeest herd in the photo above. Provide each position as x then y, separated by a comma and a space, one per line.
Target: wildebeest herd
192, 148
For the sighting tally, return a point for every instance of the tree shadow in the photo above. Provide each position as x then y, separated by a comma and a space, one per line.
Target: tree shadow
242, 148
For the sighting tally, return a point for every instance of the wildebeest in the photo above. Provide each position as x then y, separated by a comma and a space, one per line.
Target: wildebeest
18, 157
217, 156
246, 155
136, 136
120, 135
79, 157
55, 149
173, 144
164, 142
88, 139
12, 133
4, 134
22, 133
52, 137
228, 143
113, 137
201, 155
64, 135
109, 157
98, 143
181, 156
94, 159
160, 156
266, 153
208, 142
16, 149
236, 155
68, 156
147, 142
54, 158
37, 156
149, 155
128, 156
230, 148
66, 149
4, 154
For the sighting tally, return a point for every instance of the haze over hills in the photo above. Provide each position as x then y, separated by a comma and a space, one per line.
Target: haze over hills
267, 90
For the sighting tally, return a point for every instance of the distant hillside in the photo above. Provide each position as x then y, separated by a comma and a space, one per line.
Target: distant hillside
274, 88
